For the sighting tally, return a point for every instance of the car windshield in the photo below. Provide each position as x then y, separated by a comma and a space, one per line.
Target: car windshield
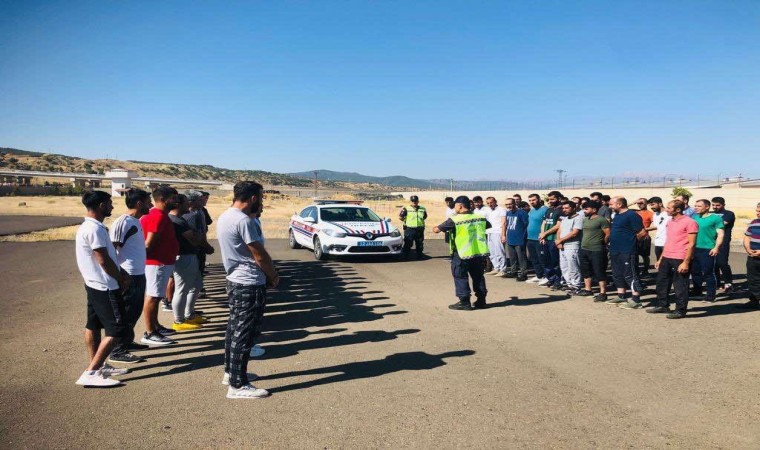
348, 214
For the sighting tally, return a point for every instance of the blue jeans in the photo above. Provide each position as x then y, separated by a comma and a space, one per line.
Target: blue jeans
534, 255
551, 262
703, 269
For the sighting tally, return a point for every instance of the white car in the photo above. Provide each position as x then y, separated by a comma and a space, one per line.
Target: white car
332, 227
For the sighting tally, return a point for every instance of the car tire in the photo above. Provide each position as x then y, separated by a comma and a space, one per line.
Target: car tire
319, 254
292, 242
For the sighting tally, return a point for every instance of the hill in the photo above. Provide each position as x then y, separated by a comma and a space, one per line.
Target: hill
406, 182
11, 158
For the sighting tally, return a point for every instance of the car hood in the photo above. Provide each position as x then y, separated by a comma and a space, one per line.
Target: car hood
361, 228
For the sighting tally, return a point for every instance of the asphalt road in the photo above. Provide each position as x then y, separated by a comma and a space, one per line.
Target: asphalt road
26, 224
367, 355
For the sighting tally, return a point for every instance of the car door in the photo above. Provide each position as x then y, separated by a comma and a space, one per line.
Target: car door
303, 236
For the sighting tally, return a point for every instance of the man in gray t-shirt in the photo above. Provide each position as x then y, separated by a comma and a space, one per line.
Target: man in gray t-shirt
569, 243
249, 272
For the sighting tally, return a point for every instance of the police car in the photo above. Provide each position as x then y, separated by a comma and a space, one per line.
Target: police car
334, 227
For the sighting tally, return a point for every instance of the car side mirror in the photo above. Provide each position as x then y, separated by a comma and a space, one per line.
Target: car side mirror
309, 219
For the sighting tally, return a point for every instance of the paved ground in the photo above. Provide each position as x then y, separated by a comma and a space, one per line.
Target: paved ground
367, 355
26, 224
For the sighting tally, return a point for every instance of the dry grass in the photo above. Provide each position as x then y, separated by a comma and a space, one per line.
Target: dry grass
52, 234
277, 212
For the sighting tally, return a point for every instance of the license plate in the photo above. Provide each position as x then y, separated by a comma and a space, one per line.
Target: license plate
370, 244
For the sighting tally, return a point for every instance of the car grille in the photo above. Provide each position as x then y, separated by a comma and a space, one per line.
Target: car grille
379, 249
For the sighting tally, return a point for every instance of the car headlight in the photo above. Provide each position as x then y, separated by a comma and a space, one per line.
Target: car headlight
334, 233
395, 233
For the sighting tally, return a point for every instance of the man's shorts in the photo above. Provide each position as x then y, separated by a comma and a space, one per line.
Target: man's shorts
156, 279
593, 264
105, 311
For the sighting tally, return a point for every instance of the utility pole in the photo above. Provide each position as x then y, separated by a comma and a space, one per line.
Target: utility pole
316, 182
560, 172
452, 186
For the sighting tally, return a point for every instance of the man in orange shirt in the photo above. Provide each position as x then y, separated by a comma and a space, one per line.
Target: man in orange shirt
644, 246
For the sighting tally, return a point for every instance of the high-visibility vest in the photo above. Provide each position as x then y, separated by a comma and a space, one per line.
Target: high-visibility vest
469, 238
415, 218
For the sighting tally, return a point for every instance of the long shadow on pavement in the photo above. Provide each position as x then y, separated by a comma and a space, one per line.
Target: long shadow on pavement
312, 295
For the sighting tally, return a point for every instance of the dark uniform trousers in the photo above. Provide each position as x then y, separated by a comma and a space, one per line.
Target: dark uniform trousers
722, 269
753, 277
667, 274
413, 236
464, 269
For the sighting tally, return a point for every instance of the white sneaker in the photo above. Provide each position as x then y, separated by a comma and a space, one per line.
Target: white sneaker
257, 351
246, 391
96, 379
493, 272
496, 273
111, 371
226, 378
533, 280
543, 282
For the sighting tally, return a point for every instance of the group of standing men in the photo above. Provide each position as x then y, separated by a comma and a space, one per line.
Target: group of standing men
570, 243
163, 236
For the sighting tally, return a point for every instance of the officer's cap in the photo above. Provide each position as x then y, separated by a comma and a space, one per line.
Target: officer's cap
414, 198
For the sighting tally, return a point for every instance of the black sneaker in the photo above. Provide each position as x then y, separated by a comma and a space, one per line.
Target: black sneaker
479, 304
556, 287
166, 306
165, 331
156, 339
522, 278
583, 293
676, 315
126, 358
136, 346
657, 310
710, 298
509, 275
600, 297
461, 306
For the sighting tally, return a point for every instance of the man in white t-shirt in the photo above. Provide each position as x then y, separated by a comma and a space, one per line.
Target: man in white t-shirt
660, 219
249, 271
497, 217
127, 237
104, 284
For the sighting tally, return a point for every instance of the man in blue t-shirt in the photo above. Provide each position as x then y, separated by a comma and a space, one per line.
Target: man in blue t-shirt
723, 273
626, 229
515, 234
534, 247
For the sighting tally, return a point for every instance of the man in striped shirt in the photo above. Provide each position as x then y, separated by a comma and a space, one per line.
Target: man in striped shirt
752, 247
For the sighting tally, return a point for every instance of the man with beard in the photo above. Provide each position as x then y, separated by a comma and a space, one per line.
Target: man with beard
626, 229
550, 227
250, 271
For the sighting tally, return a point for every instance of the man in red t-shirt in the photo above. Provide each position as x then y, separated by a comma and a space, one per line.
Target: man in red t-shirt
161, 249
673, 265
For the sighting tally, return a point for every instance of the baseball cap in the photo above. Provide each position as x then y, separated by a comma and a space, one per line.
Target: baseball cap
414, 198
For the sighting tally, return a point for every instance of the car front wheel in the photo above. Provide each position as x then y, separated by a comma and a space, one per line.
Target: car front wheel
319, 254
292, 241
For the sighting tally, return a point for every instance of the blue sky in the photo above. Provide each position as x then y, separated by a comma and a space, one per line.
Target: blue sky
430, 89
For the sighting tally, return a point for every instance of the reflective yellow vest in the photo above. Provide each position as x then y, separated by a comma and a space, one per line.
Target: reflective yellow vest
415, 218
469, 238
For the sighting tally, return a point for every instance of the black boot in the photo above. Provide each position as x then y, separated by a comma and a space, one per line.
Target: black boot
462, 305
480, 303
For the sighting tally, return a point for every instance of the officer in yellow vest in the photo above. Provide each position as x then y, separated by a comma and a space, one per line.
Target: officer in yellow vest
468, 246
413, 218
